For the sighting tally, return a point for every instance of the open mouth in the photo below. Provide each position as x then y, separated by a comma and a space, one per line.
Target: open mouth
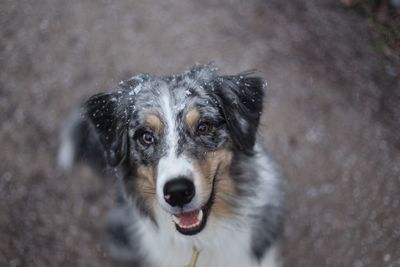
190, 223
193, 222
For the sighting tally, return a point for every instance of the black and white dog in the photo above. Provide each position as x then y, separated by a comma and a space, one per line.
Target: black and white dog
194, 183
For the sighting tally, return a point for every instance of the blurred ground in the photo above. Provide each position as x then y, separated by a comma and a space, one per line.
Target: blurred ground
331, 120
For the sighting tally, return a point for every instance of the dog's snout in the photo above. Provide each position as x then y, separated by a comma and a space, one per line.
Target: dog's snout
179, 192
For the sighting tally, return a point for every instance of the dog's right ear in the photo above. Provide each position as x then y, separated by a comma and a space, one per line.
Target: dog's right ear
109, 116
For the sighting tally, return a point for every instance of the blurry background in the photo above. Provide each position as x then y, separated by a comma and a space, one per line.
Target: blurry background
331, 119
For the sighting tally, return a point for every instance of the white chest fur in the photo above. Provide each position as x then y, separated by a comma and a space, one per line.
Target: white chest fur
225, 242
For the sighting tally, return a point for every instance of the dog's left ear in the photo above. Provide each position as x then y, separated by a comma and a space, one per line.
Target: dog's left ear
241, 100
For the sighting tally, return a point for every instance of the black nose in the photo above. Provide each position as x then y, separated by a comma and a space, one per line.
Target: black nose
179, 192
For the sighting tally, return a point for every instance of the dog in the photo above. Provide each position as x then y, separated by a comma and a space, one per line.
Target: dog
195, 188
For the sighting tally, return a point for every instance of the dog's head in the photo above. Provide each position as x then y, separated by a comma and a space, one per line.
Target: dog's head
175, 137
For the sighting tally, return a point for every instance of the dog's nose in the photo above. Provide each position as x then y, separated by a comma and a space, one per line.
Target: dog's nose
179, 192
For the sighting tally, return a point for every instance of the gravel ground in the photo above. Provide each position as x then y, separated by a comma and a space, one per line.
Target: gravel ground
331, 120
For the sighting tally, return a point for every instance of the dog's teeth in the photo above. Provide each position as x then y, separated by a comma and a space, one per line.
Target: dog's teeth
176, 219
200, 215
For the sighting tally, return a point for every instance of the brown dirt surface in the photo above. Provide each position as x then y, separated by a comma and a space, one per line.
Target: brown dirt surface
331, 119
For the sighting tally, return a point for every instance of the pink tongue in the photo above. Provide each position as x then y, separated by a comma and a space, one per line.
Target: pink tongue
188, 218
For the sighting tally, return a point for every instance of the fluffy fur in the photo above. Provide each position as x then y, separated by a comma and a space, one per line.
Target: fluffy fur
196, 125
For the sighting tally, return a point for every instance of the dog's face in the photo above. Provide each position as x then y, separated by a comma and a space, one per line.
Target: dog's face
175, 137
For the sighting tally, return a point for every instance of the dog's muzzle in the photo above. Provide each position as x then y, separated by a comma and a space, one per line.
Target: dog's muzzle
178, 193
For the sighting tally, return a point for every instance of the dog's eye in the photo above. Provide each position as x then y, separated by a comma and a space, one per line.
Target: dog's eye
203, 127
147, 138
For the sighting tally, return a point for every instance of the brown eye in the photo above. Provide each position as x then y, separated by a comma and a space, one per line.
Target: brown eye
147, 138
203, 127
